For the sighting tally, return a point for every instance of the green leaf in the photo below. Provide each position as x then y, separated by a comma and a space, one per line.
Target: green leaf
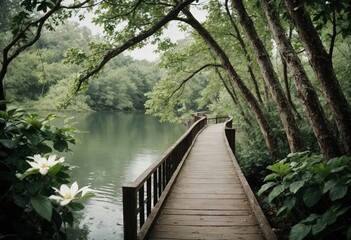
75, 206
299, 231
56, 218
329, 217
275, 192
34, 187
42, 206
10, 144
32, 136
318, 227
311, 218
271, 177
295, 186
311, 196
68, 218
280, 168
290, 202
20, 201
265, 187
337, 192
282, 211
43, 148
328, 185
55, 169
61, 145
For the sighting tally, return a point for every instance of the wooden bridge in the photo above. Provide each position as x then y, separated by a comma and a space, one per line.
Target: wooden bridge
195, 191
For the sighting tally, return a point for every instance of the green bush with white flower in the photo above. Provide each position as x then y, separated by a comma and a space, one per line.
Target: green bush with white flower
35, 200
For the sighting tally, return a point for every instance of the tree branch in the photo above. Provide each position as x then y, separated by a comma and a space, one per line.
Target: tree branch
191, 76
133, 41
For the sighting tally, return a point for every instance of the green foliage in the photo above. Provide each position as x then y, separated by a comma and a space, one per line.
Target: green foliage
122, 85
26, 182
312, 191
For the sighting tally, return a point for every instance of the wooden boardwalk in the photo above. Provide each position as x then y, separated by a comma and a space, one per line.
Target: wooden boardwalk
208, 199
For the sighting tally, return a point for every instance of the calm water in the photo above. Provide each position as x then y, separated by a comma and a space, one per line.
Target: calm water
116, 147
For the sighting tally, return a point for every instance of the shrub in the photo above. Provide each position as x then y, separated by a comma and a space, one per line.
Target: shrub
314, 192
29, 179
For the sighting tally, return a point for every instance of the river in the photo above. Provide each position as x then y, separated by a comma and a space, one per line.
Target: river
114, 147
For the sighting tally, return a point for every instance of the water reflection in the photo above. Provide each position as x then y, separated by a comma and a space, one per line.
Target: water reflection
117, 147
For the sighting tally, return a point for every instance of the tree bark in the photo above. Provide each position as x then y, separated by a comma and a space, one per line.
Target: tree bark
246, 53
246, 93
323, 69
306, 92
285, 111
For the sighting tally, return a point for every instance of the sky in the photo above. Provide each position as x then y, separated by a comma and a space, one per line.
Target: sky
147, 52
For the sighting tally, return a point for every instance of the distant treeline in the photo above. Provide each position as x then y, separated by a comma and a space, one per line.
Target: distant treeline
41, 78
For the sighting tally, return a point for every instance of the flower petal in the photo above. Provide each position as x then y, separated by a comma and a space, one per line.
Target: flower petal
85, 191
33, 164
74, 189
64, 189
56, 198
43, 171
65, 202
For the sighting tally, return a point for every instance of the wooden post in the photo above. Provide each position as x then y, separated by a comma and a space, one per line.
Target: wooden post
230, 134
141, 205
148, 197
130, 213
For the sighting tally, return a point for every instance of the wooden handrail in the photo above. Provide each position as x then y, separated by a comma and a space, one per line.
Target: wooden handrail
143, 197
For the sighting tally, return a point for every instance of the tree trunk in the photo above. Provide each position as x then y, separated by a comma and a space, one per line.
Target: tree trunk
285, 111
247, 55
249, 97
2, 91
323, 69
306, 92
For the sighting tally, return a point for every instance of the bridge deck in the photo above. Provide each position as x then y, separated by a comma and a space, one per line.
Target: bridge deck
208, 200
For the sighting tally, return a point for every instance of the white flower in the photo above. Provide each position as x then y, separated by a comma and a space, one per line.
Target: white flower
69, 193
42, 164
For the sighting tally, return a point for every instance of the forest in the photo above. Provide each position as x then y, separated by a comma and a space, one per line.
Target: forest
280, 68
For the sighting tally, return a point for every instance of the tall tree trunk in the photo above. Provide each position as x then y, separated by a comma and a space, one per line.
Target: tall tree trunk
246, 93
285, 111
306, 92
246, 53
323, 69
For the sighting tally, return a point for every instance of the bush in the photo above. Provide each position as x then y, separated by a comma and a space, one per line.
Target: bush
313, 193
31, 181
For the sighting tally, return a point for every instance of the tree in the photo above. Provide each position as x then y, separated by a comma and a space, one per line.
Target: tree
323, 69
27, 28
308, 95
252, 101
285, 110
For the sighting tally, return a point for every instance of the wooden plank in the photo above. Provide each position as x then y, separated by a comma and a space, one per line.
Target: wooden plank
208, 196
206, 204
204, 212
195, 220
208, 181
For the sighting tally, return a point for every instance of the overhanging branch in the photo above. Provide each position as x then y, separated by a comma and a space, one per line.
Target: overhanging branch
133, 41
191, 76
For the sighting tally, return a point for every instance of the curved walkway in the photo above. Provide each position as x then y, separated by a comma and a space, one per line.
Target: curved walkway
209, 199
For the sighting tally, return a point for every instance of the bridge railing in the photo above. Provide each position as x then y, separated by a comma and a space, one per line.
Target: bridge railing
143, 197
217, 119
